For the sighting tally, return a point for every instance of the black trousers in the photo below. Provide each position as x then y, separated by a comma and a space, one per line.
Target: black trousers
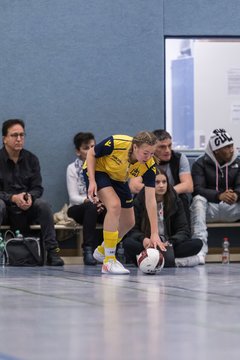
40, 213
86, 214
133, 247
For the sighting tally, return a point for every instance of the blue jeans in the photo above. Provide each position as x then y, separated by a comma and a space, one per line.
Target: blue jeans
202, 212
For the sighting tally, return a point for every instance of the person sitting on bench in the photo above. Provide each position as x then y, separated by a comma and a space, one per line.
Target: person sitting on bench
21, 189
216, 179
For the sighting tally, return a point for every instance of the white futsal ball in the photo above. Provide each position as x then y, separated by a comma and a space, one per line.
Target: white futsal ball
150, 261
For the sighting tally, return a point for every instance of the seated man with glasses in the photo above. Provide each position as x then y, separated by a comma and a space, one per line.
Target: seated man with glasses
21, 189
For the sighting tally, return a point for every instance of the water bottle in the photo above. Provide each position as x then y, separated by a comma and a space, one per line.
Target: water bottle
18, 234
225, 253
2, 251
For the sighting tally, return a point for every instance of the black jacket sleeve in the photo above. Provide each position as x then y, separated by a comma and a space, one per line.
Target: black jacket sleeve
201, 186
25, 176
178, 229
35, 180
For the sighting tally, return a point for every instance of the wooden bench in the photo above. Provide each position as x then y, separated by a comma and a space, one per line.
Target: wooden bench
223, 225
213, 256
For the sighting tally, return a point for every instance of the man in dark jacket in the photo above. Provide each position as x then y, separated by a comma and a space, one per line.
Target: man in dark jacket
216, 179
21, 189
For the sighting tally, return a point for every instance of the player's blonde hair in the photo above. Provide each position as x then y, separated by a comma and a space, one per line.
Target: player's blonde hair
141, 138
144, 137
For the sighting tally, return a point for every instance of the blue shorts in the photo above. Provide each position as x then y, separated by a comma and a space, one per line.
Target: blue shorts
122, 189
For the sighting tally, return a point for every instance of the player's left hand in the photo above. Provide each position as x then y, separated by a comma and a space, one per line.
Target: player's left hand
156, 242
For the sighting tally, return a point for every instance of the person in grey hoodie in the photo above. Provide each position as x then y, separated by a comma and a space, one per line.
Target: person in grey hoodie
216, 180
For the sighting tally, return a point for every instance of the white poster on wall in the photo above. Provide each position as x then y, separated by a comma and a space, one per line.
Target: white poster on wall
235, 113
234, 81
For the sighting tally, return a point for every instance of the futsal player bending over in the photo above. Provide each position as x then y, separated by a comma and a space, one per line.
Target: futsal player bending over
109, 166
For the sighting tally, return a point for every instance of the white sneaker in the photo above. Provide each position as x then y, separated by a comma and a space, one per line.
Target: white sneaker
187, 261
201, 259
114, 267
98, 256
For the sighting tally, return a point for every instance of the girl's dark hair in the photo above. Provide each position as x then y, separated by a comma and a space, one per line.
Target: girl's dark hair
82, 138
168, 196
9, 123
168, 200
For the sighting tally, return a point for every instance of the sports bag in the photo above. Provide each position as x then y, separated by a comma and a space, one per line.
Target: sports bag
25, 251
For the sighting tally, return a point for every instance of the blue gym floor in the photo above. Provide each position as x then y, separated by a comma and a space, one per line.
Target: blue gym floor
75, 313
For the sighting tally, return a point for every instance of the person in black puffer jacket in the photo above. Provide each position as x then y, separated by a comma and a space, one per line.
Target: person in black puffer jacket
172, 225
216, 179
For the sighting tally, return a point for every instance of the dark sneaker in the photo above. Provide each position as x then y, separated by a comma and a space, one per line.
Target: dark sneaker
88, 258
53, 259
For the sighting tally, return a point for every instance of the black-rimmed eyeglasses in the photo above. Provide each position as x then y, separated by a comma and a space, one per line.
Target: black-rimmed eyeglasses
16, 135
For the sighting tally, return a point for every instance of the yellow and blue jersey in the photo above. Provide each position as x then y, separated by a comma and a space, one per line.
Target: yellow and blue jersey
112, 157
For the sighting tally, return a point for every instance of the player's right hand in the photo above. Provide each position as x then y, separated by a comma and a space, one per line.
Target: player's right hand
92, 192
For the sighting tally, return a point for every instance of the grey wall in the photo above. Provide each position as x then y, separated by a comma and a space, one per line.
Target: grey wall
92, 65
